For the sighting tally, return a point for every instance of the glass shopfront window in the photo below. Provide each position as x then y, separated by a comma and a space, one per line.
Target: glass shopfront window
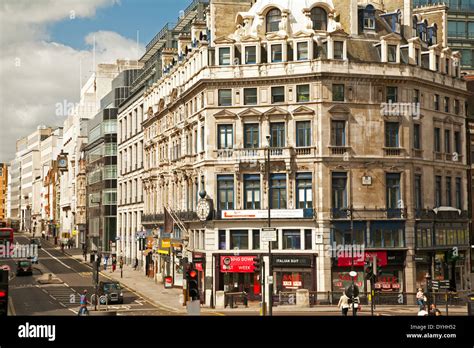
387, 235
291, 280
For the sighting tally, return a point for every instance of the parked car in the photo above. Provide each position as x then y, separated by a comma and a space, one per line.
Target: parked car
112, 290
24, 267
36, 241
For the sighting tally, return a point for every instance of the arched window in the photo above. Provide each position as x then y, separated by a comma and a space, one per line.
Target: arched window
414, 28
369, 17
432, 34
319, 18
273, 20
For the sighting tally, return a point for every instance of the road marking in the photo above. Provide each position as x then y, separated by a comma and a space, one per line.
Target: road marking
11, 308
54, 257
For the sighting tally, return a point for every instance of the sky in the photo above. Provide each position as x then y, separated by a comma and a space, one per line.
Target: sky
46, 47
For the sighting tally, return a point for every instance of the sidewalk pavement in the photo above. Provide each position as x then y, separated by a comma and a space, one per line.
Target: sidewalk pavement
168, 299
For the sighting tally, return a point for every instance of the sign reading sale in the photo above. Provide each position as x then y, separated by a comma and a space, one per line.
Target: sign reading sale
237, 264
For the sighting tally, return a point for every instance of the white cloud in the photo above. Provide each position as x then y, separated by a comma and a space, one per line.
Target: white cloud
36, 73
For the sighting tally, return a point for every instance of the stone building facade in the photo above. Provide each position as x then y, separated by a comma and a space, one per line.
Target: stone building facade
361, 108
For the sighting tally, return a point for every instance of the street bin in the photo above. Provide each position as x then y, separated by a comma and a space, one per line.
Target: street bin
470, 304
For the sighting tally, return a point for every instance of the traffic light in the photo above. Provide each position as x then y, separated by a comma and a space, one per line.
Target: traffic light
193, 285
3, 292
368, 270
256, 264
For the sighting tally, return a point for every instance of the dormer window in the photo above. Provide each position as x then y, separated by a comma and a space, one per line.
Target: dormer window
432, 35
392, 53
393, 20
250, 55
338, 50
277, 53
302, 50
369, 17
273, 20
224, 56
319, 18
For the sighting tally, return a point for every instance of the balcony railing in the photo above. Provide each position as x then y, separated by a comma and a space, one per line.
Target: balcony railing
339, 150
303, 151
417, 153
392, 151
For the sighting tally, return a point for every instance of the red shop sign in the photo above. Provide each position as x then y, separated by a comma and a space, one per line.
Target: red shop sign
237, 264
343, 261
198, 266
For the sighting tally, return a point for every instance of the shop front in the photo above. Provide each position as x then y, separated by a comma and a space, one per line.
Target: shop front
177, 263
390, 280
237, 274
294, 272
442, 250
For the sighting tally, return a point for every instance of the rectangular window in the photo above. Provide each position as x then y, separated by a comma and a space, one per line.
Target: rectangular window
111, 149
436, 102
278, 95
256, 239
203, 138
304, 191
110, 172
391, 134
458, 194
386, 236
302, 93
221, 238
437, 139
277, 132
225, 188
303, 133
338, 49
277, 53
338, 92
224, 56
250, 96
456, 106
447, 141
250, 55
251, 135
252, 191
308, 239
393, 190
416, 96
392, 94
418, 196
109, 197
416, 136
291, 239
446, 66
457, 142
226, 136
278, 191
446, 104
339, 190
239, 239
448, 198
338, 133
225, 97
438, 193
302, 48
392, 54
110, 126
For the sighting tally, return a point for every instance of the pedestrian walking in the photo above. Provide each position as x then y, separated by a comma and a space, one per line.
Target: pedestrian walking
62, 247
344, 304
420, 298
114, 263
355, 305
84, 251
83, 303
105, 263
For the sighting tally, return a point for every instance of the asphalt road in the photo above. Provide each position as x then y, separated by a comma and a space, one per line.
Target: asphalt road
30, 297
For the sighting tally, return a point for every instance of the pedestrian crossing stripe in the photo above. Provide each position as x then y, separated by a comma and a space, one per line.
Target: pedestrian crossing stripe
85, 274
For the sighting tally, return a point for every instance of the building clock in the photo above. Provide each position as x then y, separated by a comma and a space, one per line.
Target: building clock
203, 209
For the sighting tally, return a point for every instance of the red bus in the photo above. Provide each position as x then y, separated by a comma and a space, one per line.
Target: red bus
6, 235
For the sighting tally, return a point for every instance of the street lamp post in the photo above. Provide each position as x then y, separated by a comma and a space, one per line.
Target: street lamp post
270, 272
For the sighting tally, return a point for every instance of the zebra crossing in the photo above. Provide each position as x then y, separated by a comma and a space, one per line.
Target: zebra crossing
65, 295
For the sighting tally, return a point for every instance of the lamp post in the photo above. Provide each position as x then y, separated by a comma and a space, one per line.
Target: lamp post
270, 272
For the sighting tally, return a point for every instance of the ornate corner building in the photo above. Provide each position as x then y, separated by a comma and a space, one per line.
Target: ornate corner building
361, 111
